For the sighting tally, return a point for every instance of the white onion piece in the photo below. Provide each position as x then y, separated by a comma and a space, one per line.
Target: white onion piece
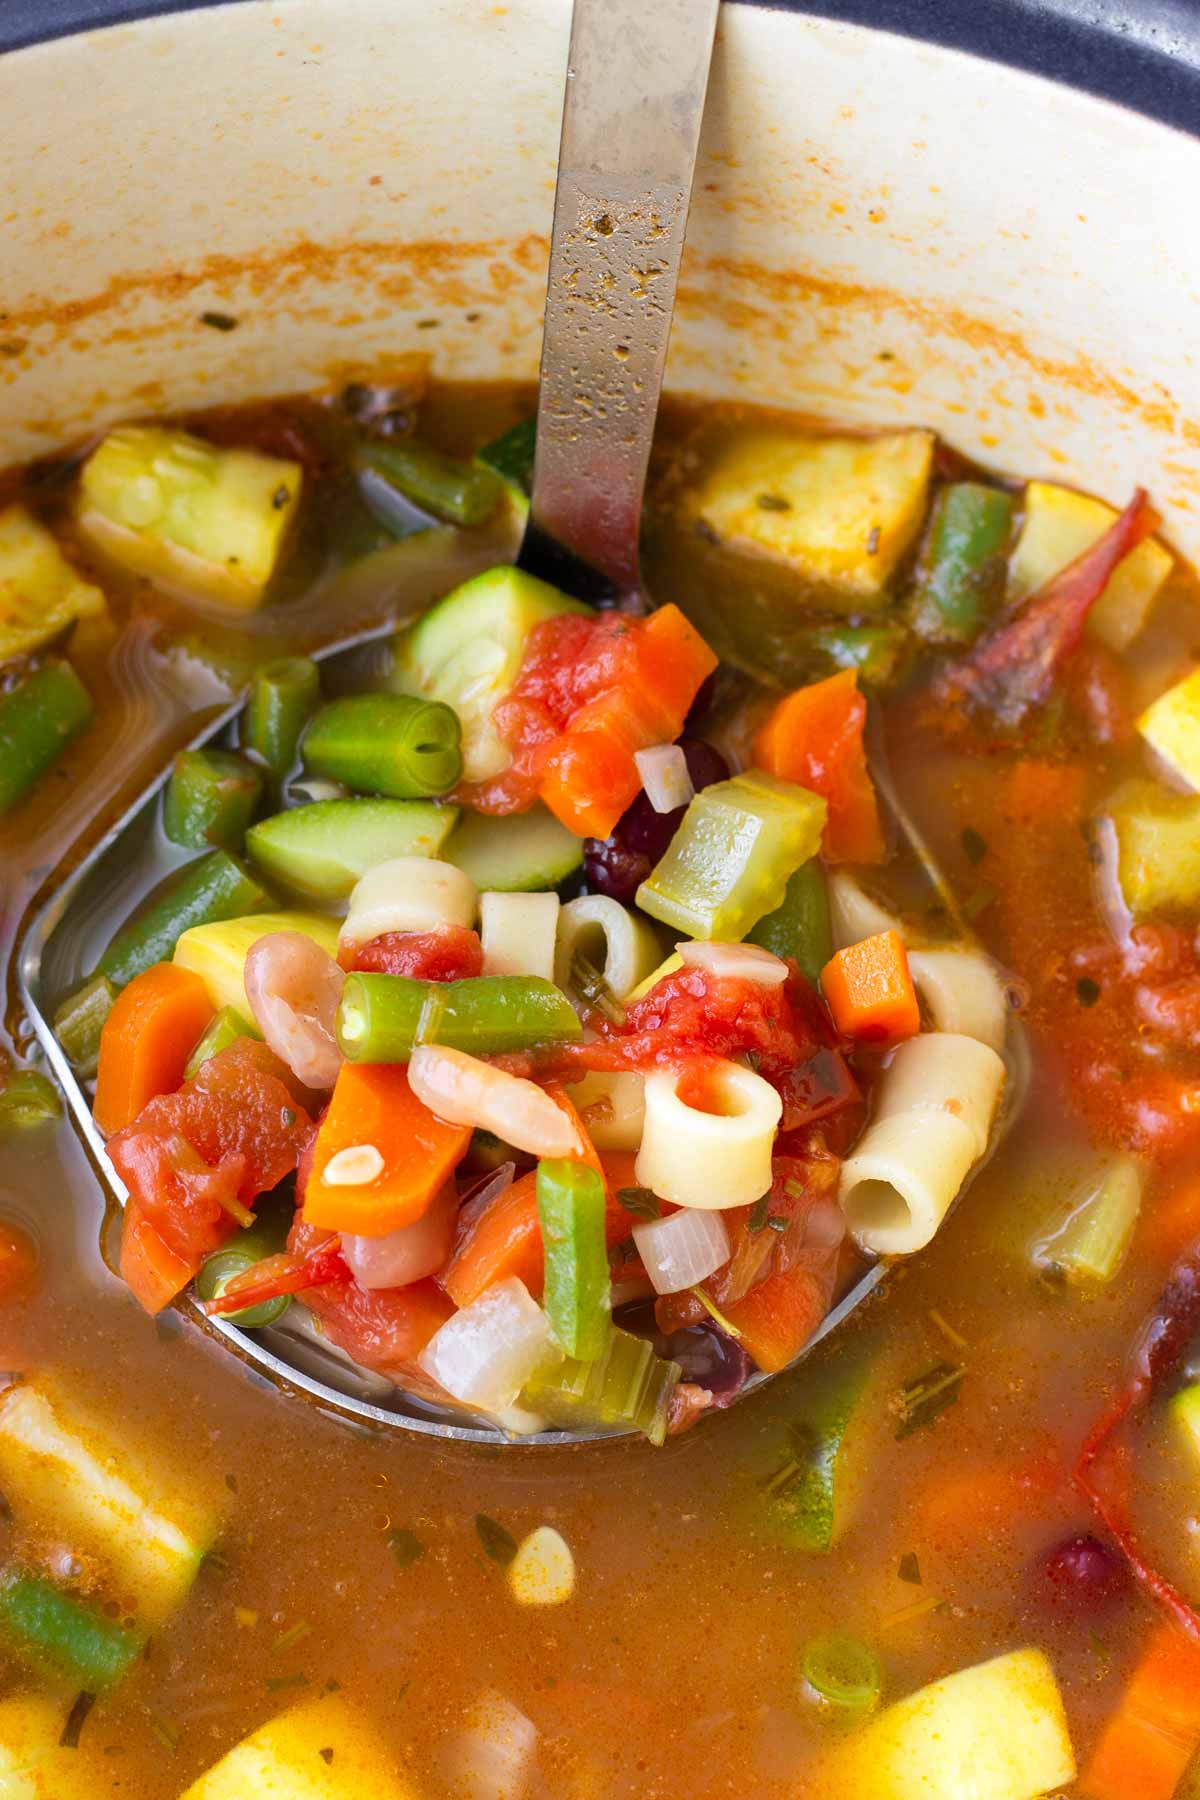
492, 1757
464, 1091
409, 893
486, 1353
409, 1253
682, 1249
664, 772
740, 962
705, 1159
294, 987
518, 933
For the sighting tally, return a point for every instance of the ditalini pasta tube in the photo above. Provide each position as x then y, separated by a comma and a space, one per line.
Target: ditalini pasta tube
409, 893
709, 1160
961, 992
518, 932
621, 944
934, 1110
612, 1105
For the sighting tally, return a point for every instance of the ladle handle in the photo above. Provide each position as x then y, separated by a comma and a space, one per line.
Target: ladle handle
636, 79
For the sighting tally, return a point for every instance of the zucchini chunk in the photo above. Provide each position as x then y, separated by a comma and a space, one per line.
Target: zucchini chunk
217, 952
323, 848
41, 593
517, 855
195, 519
1059, 526
322, 1751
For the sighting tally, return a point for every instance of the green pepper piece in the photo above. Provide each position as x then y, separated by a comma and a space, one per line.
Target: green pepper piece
626, 1385
382, 1018
210, 799
53, 1629
38, 719
874, 650
282, 697
577, 1296
960, 581
224, 1029
266, 1237
728, 864
79, 1021
216, 886
800, 927
461, 493
391, 744
30, 1098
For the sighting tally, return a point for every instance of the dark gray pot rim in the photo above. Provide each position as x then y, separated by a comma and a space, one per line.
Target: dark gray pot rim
1143, 54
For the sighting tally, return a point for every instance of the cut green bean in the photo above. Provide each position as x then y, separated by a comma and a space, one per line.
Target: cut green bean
30, 1098
282, 698
79, 1021
390, 744
800, 927
223, 1030
511, 456
267, 1237
69, 1637
382, 1018
577, 1296
626, 1385
874, 650
461, 493
842, 1673
214, 887
1090, 1246
960, 581
38, 719
210, 799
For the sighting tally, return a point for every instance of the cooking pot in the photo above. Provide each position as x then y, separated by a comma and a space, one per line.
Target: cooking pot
885, 229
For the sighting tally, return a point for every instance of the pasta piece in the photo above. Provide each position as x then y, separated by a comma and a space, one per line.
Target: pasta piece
612, 1105
934, 1111
709, 1160
852, 912
961, 992
409, 893
621, 944
519, 933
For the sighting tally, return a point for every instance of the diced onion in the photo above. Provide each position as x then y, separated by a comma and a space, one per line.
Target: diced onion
682, 1249
542, 1573
518, 933
612, 1105
409, 893
664, 772
739, 962
410, 1252
492, 1757
621, 944
465, 1091
486, 1353
704, 1159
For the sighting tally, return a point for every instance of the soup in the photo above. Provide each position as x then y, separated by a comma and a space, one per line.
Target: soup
933, 1016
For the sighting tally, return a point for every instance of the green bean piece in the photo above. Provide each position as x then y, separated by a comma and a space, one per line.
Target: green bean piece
224, 1029
390, 744
79, 1021
843, 1674
511, 455
960, 581
577, 1296
283, 695
627, 1384
382, 1018
29, 1099
267, 1237
210, 799
216, 886
874, 650
461, 493
54, 1629
38, 719
800, 927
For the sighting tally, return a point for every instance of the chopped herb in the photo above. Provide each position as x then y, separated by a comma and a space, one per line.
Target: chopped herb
332, 1686
231, 1483
973, 844
1099, 1648
979, 901
281, 496
778, 1222
214, 1559
275, 1683
1087, 991
921, 1400
589, 985
499, 1543
288, 1116
718, 1318
219, 321
81, 1706
932, 1603
640, 1201
326, 1755
947, 1330
406, 1547
773, 503
910, 1569
403, 1690
757, 1219
290, 1639
165, 1732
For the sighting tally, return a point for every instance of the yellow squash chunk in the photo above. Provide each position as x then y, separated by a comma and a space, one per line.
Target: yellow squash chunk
66, 1481
218, 952
41, 593
289, 1759
1059, 526
669, 967
1158, 848
1171, 727
197, 520
838, 512
996, 1731
33, 1764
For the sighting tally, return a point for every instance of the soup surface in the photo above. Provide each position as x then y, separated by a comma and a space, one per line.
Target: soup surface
910, 1487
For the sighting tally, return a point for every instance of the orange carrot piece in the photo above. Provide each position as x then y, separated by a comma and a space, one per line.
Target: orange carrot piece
1154, 1733
155, 1024
373, 1104
775, 1320
505, 1240
814, 737
150, 1269
869, 990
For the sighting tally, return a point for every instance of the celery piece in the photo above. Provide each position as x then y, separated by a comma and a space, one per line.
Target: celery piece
41, 593
79, 1020
626, 1385
1158, 848
577, 1297
223, 1029
729, 862
1089, 1247
1184, 1409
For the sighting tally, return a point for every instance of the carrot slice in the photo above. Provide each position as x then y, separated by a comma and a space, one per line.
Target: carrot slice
154, 1026
814, 737
374, 1106
869, 990
1155, 1731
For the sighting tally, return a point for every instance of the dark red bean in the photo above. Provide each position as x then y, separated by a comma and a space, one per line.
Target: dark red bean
617, 866
1085, 1574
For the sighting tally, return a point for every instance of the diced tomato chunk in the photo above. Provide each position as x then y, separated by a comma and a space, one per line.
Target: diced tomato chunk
450, 953
381, 1328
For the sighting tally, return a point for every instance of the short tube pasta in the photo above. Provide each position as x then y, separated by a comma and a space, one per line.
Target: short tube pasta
932, 1123
409, 893
612, 1105
621, 945
709, 1160
518, 932
961, 992
853, 915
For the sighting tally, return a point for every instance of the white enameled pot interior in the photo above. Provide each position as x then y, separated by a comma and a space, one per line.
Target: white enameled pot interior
883, 230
